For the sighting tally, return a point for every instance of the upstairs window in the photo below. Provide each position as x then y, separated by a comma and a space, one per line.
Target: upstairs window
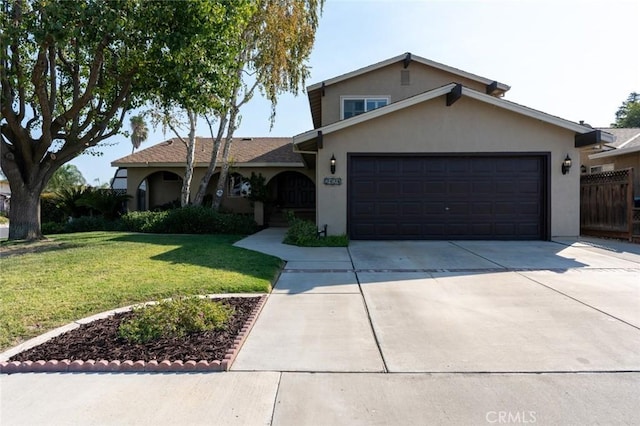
353, 106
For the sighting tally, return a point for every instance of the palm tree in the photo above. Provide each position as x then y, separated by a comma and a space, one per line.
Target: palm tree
139, 131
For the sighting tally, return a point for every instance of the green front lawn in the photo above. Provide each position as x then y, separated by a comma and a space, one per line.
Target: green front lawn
51, 283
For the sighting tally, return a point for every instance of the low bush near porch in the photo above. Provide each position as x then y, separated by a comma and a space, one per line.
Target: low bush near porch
304, 233
188, 220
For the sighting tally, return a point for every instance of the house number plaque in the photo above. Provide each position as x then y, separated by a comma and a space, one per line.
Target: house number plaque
333, 181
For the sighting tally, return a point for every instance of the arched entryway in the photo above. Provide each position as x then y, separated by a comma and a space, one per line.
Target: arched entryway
292, 191
159, 191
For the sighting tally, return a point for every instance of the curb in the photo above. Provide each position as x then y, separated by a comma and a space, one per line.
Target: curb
133, 366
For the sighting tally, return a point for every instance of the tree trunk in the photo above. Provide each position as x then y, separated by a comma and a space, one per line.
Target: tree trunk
224, 169
24, 214
185, 195
204, 182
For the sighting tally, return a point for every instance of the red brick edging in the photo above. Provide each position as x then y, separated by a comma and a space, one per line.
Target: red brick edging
130, 366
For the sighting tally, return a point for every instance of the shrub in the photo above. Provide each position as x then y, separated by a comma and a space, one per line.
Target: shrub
175, 318
52, 228
148, 221
107, 202
68, 200
189, 220
49, 210
305, 234
91, 223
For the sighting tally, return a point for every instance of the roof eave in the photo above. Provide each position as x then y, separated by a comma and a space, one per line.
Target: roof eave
501, 86
615, 152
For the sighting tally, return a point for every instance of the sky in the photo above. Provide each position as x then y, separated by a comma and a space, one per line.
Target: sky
577, 59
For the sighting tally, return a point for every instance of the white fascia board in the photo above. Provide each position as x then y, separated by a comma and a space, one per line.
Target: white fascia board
342, 124
356, 72
203, 164
615, 152
399, 58
538, 115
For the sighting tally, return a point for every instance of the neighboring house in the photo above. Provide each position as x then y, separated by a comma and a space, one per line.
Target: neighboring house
5, 195
153, 176
403, 149
622, 153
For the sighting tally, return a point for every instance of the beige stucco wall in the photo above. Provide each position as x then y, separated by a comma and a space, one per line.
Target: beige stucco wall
467, 126
386, 82
164, 192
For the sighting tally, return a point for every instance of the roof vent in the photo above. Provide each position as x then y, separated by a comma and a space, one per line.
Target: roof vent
247, 139
405, 78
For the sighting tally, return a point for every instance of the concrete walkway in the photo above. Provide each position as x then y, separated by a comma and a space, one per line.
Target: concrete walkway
398, 333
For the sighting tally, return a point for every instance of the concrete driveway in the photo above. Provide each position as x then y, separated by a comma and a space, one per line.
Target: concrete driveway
448, 307
398, 333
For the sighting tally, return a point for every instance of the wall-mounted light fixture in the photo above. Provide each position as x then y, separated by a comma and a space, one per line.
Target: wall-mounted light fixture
332, 163
566, 165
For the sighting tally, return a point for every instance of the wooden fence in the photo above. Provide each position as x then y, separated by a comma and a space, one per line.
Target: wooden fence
606, 204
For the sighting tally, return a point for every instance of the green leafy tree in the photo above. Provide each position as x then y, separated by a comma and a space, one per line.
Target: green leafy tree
69, 73
271, 56
139, 132
628, 115
200, 79
67, 176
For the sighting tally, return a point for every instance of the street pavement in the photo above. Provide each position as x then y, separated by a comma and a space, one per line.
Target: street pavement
398, 333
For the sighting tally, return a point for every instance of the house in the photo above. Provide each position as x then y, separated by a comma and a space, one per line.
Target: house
426, 151
407, 148
5, 196
622, 153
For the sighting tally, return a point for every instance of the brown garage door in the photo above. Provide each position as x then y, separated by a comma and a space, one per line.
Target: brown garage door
497, 197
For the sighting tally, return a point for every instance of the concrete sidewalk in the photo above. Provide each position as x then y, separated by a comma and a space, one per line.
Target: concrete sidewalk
399, 333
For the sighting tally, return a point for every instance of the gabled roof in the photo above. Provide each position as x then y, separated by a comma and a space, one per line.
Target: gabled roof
314, 91
245, 152
442, 91
400, 58
626, 141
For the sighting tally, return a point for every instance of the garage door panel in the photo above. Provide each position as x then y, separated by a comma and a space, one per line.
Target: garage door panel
458, 188
388, 209
412, 167
412, 188
364, 209
506, 188
482, 229
482, 187
389, 165
482, 208
529, 186
447, 197
437, 187
532, 209
412, 208
387, 188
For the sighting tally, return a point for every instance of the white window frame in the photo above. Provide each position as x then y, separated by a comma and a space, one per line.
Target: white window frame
361, 98
609, 167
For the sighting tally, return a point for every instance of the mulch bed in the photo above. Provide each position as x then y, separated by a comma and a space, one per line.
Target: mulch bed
98, 340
